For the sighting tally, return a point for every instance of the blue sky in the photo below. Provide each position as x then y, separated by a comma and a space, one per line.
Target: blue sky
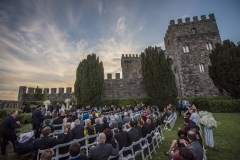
43, 41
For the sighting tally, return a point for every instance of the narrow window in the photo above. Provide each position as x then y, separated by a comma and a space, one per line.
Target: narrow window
207, 46
187, 49
184, 49
201, 68
193, 30
210, 45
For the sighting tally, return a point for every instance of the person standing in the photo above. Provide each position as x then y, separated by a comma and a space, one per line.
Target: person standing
9, 133
43, 110
179, 107
36, 120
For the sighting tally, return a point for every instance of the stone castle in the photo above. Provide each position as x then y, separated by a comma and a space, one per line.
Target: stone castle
187, 45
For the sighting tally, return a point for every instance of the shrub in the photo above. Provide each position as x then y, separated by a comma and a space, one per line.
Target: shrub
220, 104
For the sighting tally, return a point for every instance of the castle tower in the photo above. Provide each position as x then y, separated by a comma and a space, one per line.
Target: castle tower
188, 45
22, 91
131, 66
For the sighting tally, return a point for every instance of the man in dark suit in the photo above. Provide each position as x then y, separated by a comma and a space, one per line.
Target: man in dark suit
57, 120
146, 128
103, 150
50, 108
139, 129
78, 131
9, 133
36, 120
158, 121
179, 107
133, 136
47, 141
74, 116
57, 107
122, 138
98, 127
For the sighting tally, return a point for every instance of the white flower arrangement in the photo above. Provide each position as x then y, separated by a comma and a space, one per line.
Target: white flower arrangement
206, 118
67, 100
47, 102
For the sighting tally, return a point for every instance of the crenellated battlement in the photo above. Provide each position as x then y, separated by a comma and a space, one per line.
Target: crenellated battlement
195, 20
130, 56
30, 90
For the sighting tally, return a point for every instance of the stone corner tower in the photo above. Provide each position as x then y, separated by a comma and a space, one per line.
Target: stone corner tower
131, 66
188, 44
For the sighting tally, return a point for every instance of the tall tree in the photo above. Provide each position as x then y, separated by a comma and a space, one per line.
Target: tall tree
225, 68
39, 95
158, 77
89, 81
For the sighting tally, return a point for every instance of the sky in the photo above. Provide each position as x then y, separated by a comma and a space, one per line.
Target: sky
43, 41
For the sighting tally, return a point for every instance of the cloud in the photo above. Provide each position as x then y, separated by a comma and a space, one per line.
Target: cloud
100, 7
121, 26
185, 16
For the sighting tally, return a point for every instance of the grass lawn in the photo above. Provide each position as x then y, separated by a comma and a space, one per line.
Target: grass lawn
226, 139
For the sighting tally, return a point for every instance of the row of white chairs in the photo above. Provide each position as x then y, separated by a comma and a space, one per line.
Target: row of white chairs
170, 120
157, 138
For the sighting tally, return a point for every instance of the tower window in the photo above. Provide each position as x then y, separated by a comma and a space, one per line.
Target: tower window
193, 30
185, 49
201, 67
209, 46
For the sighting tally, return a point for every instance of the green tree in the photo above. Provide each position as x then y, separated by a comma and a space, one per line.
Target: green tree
158, 77
89, 81
39, 95
225, 68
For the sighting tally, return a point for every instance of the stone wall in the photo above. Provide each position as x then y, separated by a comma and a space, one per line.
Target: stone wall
186, 66
124, 88
10, 104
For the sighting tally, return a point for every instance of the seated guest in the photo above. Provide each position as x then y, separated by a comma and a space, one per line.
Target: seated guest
126, 118
166, 115
194, 146
78, 131
157, 119
69, 120
89, 130
193, 116
151, 122
47, 124
110, 140
100, 117
115, 122
98, 127
69, 138
133, 136
182, 132
57, 120
139, 129
47, 141
49, 114
82, 122
92, 118
103, 150
74, 116
186, 153
85, 116
47, 154
146, 128
50, 119
105, 123
122, 138
74, 150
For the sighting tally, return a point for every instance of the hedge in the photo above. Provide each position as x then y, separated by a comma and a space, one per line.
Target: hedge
124, 101
216, 104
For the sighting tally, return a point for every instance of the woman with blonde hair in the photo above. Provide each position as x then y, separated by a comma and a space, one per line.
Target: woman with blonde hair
89, 130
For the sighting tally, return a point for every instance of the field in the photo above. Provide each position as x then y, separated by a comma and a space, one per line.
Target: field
226, 139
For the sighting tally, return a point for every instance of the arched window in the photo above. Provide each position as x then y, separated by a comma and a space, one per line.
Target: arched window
194, 30
209, 46
201, 67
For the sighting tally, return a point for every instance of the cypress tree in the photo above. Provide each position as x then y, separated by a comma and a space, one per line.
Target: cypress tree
158, 77
89, 81
225, 68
